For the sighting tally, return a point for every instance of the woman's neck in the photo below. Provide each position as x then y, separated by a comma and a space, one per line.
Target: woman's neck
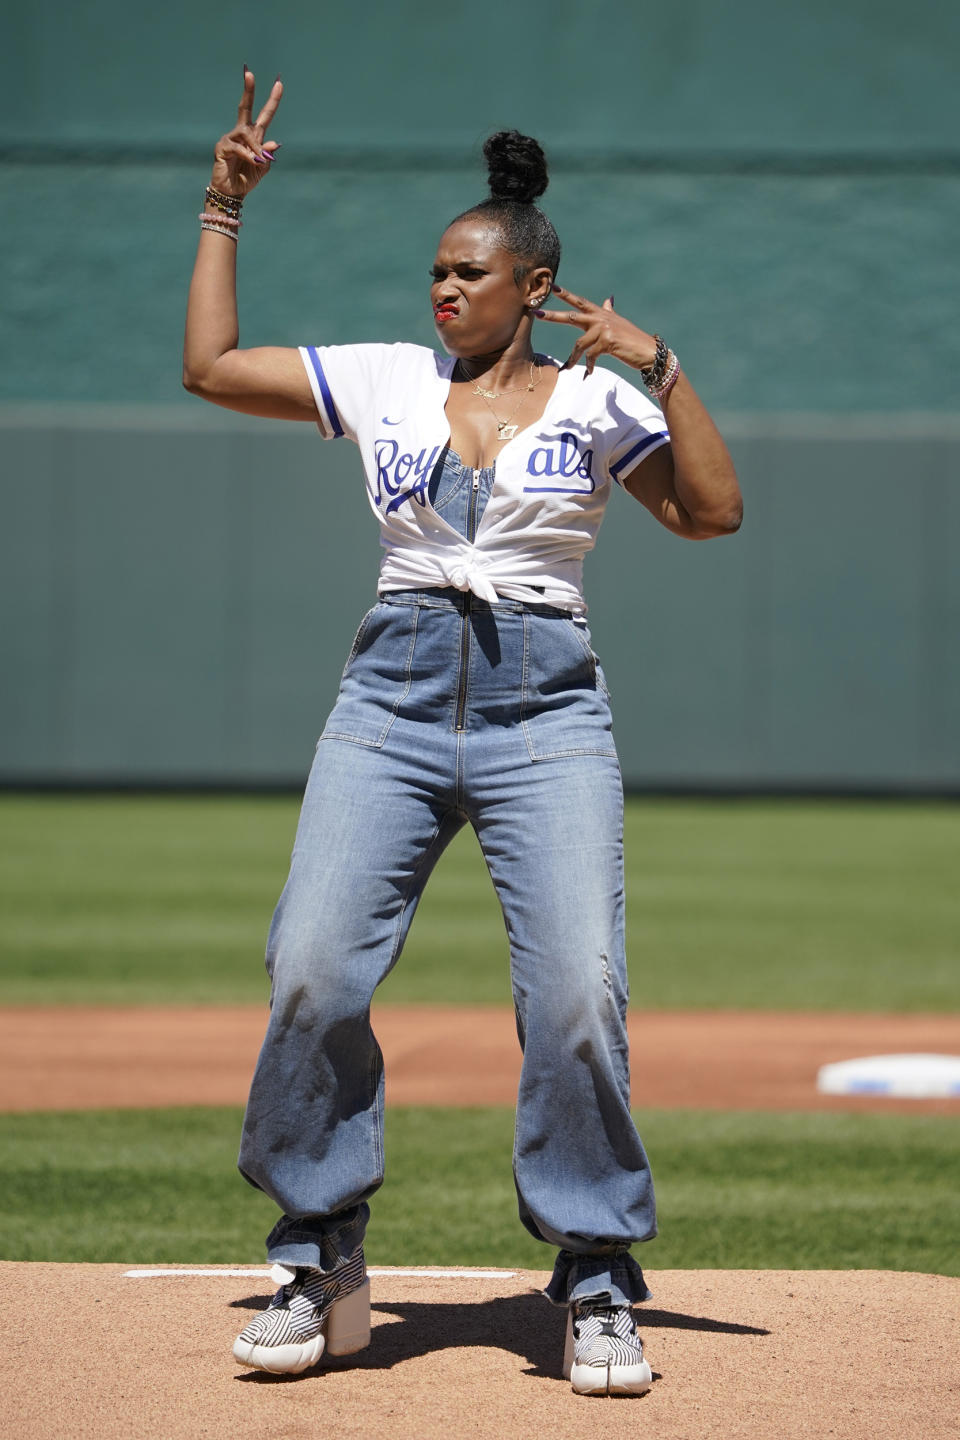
499, 371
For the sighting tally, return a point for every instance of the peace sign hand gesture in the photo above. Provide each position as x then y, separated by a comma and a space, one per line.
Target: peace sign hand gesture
604, 333
241, 159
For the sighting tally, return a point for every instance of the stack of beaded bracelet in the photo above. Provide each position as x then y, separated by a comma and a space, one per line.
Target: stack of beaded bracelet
671, 375
663, 373
229, 205
227, 221
220, 224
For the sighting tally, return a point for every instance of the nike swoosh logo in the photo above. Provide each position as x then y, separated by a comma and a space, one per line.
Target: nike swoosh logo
385, 421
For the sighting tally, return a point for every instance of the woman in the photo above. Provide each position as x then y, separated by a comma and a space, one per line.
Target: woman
471, 695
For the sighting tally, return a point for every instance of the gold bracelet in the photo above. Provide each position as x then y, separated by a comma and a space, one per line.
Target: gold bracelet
228, 204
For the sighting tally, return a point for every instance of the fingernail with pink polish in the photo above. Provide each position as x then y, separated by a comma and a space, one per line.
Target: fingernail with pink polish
539, 314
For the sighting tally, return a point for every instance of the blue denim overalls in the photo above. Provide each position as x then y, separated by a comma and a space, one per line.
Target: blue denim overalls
453, 711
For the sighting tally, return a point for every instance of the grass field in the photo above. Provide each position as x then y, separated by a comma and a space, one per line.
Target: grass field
744, 1190
762, 904
765, 904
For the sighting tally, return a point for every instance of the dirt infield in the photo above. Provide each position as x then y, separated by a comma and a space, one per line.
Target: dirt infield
736, 1355
75, 1058
92, 1351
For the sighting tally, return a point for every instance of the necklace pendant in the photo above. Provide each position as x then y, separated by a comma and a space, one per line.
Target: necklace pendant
506, 432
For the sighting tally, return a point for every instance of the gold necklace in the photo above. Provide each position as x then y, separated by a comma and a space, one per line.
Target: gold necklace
506, 431
515, 390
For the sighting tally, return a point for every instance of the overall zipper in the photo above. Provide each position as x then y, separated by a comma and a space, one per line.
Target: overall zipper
460, 714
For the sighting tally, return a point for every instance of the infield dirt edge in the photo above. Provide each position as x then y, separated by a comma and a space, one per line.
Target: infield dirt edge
75, 1058
859, 1355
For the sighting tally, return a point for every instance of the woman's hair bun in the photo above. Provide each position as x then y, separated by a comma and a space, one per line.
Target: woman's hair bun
517, 166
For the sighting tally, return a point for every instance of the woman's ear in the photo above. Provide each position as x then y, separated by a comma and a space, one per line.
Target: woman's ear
537, 284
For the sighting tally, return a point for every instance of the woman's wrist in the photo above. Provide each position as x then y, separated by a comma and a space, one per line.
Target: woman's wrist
223, 202
642, 358
661, 375
221, 213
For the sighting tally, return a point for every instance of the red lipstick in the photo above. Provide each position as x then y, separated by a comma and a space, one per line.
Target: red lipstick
445, 312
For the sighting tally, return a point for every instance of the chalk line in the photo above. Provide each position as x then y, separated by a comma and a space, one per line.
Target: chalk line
419, 1274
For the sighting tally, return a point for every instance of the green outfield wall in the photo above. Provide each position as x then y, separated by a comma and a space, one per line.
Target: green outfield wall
776, 190
180, 595
849, 74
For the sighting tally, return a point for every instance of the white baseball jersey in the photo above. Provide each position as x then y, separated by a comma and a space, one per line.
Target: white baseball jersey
553, 479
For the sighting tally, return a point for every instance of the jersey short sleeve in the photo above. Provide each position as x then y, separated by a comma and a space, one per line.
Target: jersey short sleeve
639, 429
344, 380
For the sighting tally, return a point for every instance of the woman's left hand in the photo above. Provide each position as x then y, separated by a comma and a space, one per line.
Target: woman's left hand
604, 333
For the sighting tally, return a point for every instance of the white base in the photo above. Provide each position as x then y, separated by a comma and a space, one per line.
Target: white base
904, 1077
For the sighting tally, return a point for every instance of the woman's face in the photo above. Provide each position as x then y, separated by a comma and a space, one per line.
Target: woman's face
477, 303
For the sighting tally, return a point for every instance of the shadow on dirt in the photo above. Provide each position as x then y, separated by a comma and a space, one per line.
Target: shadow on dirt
527, 1325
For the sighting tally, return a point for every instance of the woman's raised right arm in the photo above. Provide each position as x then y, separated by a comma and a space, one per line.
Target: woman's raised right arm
268, 381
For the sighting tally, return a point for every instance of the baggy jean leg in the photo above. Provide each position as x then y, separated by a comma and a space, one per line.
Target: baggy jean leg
313, 1131
582, 1176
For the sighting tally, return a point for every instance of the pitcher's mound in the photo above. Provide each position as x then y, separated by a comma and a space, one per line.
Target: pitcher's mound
91, 1350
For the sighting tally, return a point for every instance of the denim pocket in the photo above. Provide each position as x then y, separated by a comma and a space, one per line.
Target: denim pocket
583, 635
564, 705
376, 678
358, 639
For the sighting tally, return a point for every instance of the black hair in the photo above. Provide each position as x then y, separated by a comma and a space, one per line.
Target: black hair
517, 170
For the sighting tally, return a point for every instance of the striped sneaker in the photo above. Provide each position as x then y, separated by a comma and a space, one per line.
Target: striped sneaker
313, 1312
604, 1354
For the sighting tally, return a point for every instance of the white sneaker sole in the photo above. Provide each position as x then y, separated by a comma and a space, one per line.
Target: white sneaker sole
611, 1379
345, 1331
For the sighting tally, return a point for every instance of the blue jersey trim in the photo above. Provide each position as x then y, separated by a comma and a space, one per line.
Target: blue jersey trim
658, 437
329, 406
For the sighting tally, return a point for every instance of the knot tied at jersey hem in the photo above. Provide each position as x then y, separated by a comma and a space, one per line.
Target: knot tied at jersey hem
468, 574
